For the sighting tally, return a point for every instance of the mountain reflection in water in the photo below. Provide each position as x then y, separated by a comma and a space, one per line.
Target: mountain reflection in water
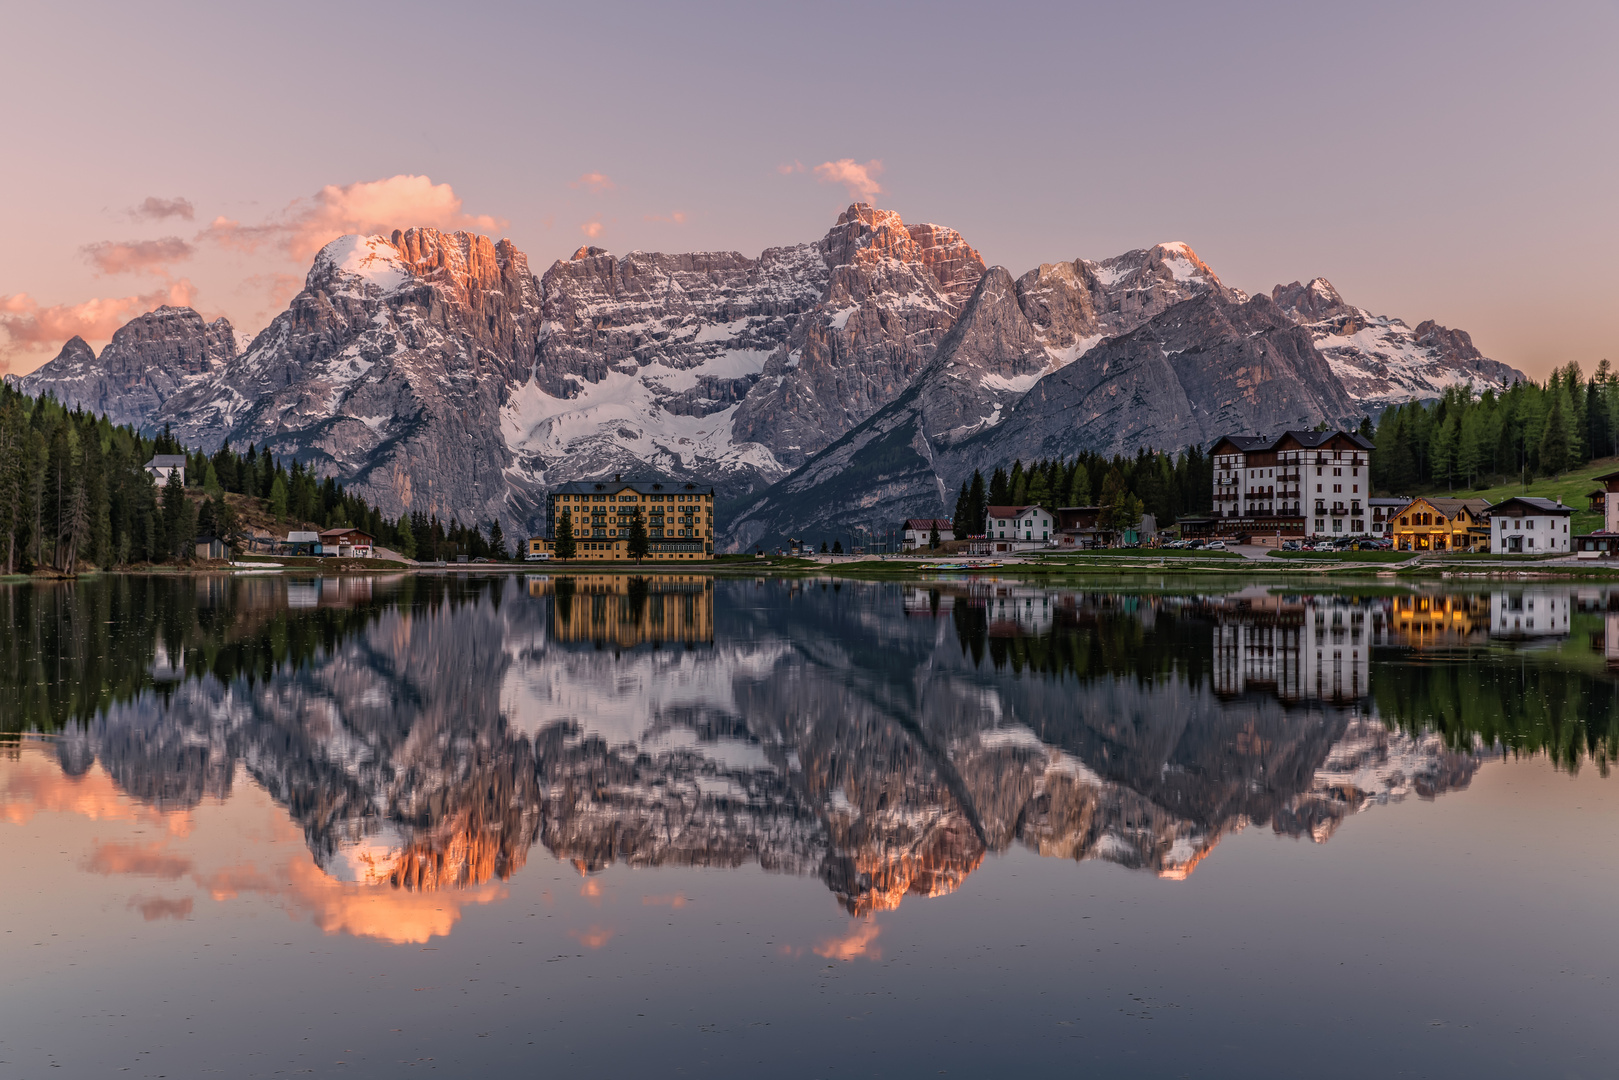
426, 732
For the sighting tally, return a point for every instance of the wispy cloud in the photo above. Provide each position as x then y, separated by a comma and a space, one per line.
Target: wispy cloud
593, 228
153, 908
147, 860
375, 206
137, 256
859, 941
860, 180
676, 218
32, 326
156, 209
594, 938
788, 168
595, 182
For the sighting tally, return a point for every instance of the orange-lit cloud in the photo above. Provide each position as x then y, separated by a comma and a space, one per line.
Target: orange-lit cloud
595, 182
592, 228
145, 860
34, 327
35, 783
676, 218
790, 167
374, 206
594, 938
156, 209
137, 256
153, 908
860, 180
674, 900
859, 941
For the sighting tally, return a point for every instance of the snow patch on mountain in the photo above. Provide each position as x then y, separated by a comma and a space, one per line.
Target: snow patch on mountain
366, 261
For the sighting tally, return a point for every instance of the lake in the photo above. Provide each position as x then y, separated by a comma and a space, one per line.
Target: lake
681, 825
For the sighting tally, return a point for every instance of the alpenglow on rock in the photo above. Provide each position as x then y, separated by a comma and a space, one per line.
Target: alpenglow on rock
858, 374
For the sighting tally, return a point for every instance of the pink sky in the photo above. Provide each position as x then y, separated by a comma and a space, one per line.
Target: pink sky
1448, 162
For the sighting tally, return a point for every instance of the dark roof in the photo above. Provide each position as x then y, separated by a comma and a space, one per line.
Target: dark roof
1451, 507
927, 523
1011, 511
345, 532
1310, 440
167, 461
640, 487
1533, 503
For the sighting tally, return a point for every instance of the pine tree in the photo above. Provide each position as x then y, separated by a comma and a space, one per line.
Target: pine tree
278, 497
823, 547
1554, 442
566, 546
837, 547
639, 546
405, 537
497, 543
933, 537
963, 509
978, 507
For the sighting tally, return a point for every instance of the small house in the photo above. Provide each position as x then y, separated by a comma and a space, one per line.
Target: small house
162, 465
1017, 528
919, 531
211, 547
1530, 526
348, 543
1430, 523
303, 543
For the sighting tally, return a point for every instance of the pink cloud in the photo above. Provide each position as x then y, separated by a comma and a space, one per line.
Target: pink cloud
34, 327
148, 860
860, 180
593, 228
676, 218
595, 182
859, 941
156, 209
594, 938
137, 256
374, 206
790, 167
157, 907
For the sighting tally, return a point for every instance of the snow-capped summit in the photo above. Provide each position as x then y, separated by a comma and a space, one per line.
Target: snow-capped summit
366, 261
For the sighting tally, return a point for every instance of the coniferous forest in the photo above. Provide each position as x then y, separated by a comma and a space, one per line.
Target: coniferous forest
74, 494
1168, 486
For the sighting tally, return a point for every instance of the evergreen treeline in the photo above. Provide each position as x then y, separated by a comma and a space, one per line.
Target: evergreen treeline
74, 491
1465, 440
1164, 485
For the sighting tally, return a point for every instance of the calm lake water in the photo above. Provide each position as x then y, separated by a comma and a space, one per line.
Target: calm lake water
611, 826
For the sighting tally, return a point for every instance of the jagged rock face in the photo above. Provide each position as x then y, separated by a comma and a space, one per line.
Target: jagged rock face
389, 370
894, 292
150, 359
1379, 359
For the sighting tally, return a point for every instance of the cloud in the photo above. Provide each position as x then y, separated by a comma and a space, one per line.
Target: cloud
374, 206
595, 182
676, 218
593, 228
154, 908
594, 938
859, 941
137, 256
146, 860
860, 180
674, 900
34, 783
156, 209
791, 167
34, 327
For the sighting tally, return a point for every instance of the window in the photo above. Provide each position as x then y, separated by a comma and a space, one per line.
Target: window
1318, 486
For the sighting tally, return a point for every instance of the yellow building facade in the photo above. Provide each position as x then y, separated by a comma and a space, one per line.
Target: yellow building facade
679, 520
1435, 524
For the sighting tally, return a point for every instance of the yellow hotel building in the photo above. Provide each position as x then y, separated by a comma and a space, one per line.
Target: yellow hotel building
1435, 524
679, 520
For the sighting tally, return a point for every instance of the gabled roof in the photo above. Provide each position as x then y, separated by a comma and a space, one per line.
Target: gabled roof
1312, 439
640, 487
1011, 511
346, 532
1309, 440
167, 461
1529, 504
303, 538
927, 523
1450, 508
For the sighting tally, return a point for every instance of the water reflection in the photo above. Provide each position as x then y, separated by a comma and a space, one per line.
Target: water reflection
426, 733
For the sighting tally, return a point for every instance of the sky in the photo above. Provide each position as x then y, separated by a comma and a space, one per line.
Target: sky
1447, 161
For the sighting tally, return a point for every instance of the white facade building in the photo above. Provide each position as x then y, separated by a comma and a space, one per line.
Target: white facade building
919, 531
1015, 528
1525, 614
162, 465
1314, 483
1530, 526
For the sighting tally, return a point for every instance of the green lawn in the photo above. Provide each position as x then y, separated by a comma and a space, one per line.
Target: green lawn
1570, 488
1143, 553
1345, 556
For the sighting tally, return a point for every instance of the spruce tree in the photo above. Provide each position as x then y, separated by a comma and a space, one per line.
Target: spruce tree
566, 546
1554, 443
639, 546
278, 497
497, 542
978, 507
405, 537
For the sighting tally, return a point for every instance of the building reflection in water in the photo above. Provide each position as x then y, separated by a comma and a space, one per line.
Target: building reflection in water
426, 733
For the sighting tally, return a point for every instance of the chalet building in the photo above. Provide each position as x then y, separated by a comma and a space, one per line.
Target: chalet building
1435, 524
919, 531
1299, 483
679, 519
302, 543
1081, 527
162, 465
1610, 506
1018, 528
1529, 526
1529, 614
348, 543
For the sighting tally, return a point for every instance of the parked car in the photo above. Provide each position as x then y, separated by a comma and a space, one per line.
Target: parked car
537, 556
1291, 545
1216, 545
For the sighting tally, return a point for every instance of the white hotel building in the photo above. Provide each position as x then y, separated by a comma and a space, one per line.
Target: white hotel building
1299, 483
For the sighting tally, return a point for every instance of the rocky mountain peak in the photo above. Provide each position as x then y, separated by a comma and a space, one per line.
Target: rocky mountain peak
1452, 345
1310, 303
866, 235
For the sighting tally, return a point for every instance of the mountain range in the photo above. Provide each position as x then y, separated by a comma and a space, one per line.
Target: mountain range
852, 380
